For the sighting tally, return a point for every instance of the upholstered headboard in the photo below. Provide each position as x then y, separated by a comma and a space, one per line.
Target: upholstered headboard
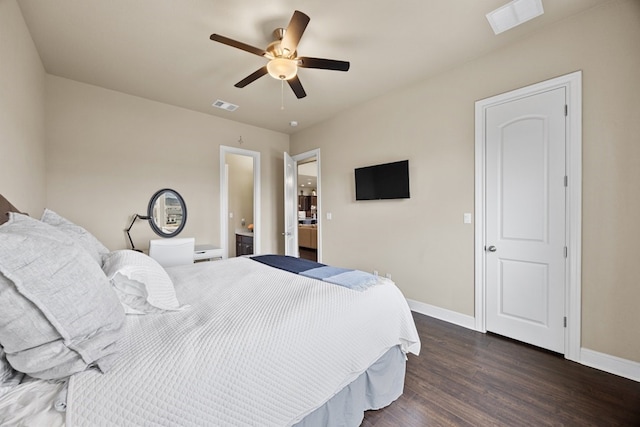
5, 208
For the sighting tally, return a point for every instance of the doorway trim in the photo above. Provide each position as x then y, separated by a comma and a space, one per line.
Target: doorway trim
573, 281
224, 197
304, 156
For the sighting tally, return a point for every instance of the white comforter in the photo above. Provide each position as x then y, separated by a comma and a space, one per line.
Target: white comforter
257, 347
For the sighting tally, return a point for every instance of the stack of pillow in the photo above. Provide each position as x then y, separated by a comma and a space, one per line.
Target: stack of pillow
63, 298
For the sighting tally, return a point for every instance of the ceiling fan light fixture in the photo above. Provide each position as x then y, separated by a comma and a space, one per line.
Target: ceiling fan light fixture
282, 68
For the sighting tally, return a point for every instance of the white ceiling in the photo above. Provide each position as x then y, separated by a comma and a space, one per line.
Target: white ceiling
160, 49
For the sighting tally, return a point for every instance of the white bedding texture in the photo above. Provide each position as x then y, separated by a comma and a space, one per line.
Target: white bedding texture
231, 342
258, 346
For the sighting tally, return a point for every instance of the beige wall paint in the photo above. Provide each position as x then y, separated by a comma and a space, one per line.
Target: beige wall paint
22, 139
240, 195
423, 242
108, 152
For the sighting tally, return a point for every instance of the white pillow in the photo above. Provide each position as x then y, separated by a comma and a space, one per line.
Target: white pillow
133, 295
87, 240
59, 314
136, 274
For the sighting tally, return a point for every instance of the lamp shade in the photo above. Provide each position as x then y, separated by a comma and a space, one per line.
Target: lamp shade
282, 69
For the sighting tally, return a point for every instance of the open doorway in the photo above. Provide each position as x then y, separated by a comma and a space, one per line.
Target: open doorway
239, 201
303, 205
240, 196
308, 208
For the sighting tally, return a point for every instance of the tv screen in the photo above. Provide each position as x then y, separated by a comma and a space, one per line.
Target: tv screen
386, 181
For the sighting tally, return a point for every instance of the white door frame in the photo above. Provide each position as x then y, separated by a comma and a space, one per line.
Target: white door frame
290, 206
224, 197
297, 158
573, 281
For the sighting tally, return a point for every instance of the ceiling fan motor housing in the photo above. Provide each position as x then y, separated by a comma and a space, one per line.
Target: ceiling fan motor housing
275, 47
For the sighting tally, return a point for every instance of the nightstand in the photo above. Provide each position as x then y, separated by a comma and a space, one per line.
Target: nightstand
206, 252
244, 243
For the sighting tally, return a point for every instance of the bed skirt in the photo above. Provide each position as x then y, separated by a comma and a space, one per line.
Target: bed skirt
375, 388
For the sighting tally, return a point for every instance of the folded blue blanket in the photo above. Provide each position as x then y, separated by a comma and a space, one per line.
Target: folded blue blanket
349, 278
354, 279
323, 272
287, 263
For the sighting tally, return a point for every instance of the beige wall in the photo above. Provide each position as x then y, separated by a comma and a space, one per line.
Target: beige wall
423, 242
240, 195
22, 140
108, 152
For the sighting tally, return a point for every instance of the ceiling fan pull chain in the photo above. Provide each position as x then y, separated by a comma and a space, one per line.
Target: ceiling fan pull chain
282, 94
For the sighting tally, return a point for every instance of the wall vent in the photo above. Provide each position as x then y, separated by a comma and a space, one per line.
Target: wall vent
225, 105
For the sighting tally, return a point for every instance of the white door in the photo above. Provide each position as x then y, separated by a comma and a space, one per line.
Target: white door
525, 219
290, 206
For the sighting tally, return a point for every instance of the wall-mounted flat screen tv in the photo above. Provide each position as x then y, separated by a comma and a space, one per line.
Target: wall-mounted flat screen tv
385, 181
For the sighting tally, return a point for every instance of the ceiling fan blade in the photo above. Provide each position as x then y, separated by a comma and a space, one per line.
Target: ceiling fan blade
324, 64
297, 88
293, 33
238, 45
252, 77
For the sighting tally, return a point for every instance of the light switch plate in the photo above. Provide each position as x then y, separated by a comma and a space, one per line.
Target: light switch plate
467, 218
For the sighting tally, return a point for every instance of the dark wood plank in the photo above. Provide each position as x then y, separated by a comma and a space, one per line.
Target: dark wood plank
465, 378
306, 253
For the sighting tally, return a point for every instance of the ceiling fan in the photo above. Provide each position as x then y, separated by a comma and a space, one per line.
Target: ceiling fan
282, 55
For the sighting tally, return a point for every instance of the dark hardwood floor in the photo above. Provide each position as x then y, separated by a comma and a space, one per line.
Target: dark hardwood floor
466, 378
306, 253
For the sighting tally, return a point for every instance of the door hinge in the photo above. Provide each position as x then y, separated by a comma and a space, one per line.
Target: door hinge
565, 321
566, 252
566, 110
566, 181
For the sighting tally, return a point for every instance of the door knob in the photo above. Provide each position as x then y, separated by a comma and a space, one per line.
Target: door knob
492, 249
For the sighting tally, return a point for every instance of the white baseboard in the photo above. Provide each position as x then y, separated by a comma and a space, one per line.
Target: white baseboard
612, 364
463, 320
601, 361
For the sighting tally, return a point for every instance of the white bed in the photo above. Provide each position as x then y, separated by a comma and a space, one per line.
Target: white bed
244, 344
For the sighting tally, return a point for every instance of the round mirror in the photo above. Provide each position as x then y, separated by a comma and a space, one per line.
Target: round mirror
167, 213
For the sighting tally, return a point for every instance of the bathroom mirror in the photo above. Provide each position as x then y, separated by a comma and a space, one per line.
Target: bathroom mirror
167, 213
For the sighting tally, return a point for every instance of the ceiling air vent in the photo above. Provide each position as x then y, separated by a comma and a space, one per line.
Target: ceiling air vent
513, 14
225, 105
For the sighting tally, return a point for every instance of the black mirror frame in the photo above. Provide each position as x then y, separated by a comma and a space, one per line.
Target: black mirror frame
152, 202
